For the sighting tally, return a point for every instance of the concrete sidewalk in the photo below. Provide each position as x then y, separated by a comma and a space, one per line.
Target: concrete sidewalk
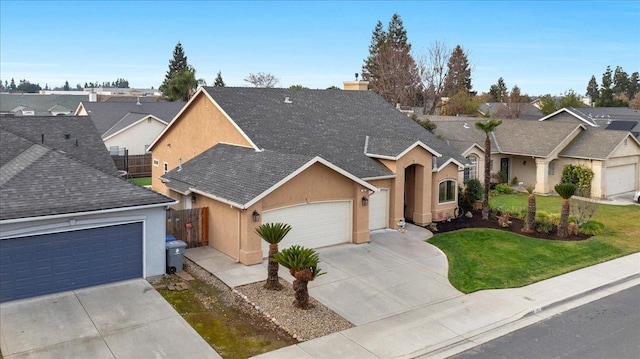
452, 326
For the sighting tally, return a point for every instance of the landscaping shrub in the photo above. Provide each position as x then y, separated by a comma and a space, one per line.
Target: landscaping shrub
580, 176
503, 188
544, 225
473, 192
592, 228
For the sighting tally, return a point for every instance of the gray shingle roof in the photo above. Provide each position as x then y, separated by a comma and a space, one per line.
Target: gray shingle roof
107, 114
326, 123
595, 144
38, 180
237, 174
83, 142
128, 120
531, 138
42, 104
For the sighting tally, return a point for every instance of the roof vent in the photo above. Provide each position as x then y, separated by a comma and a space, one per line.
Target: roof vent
287, 100
138, 101
465, 125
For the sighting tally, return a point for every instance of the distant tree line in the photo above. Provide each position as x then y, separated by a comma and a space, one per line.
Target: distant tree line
617, 89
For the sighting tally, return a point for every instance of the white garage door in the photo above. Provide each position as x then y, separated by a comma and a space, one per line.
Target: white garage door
379, 210
620, 179
313, 225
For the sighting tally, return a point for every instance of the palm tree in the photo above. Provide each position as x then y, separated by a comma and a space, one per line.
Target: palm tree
273, 233
529, 226
303, 266
564, 190
487, 128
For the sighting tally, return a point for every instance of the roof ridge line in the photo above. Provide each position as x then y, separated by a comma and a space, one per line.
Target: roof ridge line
21, 162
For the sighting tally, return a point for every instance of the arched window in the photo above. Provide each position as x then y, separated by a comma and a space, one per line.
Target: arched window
471, 172
447, 191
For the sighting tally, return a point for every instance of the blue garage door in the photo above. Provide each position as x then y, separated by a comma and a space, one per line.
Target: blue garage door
50, 263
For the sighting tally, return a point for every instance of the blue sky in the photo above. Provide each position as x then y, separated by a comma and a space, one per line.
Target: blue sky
543, 47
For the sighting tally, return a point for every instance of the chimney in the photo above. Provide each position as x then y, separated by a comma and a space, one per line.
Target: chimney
93, 97
356, 85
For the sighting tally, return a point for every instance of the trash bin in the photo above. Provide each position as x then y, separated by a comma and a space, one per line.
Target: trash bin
175, 250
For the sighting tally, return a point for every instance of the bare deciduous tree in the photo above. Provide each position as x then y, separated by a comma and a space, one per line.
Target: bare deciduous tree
433, 70
514, 104
398, 80
262, 79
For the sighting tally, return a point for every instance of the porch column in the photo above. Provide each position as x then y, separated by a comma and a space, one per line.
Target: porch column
542, 176
597, 183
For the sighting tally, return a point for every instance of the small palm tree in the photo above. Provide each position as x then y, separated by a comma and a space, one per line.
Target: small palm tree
565, 190
487, 128
303, 266
273, 233
529, 225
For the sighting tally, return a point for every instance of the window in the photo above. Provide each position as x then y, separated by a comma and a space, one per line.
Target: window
471, 172
552, 168
447, 191
156, 163
166, 167
114, 150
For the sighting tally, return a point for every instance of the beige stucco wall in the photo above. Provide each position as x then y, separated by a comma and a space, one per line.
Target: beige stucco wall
418, 198
444, 210
200, 127
136, 137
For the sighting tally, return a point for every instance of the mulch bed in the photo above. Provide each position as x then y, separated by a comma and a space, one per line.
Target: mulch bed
516, 227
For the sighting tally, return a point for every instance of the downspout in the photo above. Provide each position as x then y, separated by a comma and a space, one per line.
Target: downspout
239, 235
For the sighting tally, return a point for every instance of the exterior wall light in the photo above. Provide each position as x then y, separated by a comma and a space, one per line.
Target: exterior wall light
365, 201
256, 216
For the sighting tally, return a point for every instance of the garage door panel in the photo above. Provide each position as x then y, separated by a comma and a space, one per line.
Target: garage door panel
620, 179
313, 225
379, 210
50, 263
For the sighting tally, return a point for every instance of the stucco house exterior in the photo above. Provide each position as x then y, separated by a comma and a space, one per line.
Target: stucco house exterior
534, 153
67, 221
333, 164
130, 125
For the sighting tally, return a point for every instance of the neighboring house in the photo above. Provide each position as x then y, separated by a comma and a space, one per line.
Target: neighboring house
599, 118
332, 164
534, 153
39, 105
521, 110
129, 125
67, 221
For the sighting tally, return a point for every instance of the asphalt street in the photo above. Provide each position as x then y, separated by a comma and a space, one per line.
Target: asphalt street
606, 328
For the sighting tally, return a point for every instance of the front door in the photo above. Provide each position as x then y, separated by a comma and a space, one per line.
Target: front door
504, 170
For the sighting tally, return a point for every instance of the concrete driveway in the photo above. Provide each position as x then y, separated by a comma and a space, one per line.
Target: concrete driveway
394, 273
122, 320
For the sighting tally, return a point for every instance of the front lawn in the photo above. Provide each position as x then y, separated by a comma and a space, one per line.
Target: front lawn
488, 259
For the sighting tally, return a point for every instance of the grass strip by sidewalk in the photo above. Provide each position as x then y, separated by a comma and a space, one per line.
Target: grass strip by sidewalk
490, 259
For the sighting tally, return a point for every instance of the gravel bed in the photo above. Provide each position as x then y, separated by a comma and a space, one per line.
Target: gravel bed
275, 308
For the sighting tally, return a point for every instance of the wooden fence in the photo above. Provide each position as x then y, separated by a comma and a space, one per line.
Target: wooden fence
189, 225
135, 165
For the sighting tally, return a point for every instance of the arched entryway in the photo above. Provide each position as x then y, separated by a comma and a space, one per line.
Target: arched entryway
414, 194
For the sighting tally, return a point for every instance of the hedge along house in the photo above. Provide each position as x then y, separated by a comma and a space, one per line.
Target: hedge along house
333, 164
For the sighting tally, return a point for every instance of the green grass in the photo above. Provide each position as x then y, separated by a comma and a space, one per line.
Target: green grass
142, 181
488, 259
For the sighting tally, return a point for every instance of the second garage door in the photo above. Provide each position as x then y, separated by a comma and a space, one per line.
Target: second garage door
379, 210
620, 179
50, 263
313, 225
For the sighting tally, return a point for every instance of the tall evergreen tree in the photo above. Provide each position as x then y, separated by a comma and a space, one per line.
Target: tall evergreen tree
458, 74
606, 93
177, 64
498, 90
390, 68
620, 81
592, 89
634, 85
218, 81
12, 86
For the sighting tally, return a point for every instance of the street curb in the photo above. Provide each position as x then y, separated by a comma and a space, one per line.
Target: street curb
580, 295
466, 343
